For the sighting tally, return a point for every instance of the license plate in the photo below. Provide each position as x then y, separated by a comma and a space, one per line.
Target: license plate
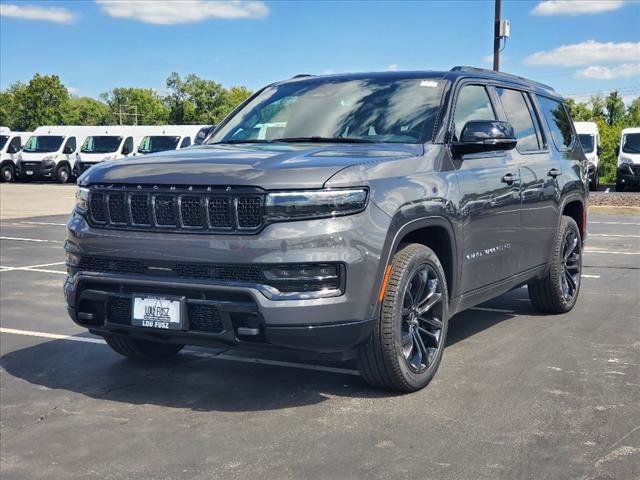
29, 172
157, 312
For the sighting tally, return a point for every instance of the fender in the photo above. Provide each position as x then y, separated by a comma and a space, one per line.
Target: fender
571, 198
398, 229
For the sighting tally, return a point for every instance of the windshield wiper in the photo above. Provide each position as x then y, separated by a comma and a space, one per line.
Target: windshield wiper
321, 140
234, 141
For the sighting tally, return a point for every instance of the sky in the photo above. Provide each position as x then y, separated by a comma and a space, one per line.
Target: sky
578, 47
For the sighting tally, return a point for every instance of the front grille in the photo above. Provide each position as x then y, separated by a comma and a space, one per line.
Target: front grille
185, 210
635, 169
242, 273
202, 317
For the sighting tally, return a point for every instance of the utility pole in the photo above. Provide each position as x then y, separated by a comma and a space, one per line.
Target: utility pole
496, 36
501, 29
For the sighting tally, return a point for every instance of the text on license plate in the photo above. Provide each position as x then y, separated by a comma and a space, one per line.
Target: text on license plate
156, 312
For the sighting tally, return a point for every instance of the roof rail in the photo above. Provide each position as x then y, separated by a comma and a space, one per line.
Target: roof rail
465, 68
302, 75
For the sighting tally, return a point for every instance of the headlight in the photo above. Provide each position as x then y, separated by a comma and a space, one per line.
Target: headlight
82, 199
298, 205
625, 160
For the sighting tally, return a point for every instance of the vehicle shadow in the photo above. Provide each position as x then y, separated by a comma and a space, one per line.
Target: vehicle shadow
202, 382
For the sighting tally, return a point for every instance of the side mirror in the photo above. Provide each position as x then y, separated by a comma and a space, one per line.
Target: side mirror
68, 150
617, 150
13, 149
485, 136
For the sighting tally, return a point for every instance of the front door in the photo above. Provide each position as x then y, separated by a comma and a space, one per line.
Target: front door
489, 203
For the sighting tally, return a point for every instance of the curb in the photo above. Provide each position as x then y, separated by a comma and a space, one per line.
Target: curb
612, 210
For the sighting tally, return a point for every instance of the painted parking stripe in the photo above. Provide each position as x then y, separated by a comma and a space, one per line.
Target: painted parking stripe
608, 252
487, 309
214, 356
37, 240
612, 235
615, 223
45, 223
590, 276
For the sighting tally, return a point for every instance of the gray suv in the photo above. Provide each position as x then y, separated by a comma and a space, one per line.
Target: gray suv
342, 216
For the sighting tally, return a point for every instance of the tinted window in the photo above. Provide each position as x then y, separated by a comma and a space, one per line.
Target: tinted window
371, 109
101, 144
158, 143
473, 104
631, 143
558, 122
15, 144
587, 141
519, 116
3, 140
186, 141
127, 146
70, 146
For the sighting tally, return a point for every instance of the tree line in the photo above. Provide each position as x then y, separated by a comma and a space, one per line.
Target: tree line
611, 115
45, 100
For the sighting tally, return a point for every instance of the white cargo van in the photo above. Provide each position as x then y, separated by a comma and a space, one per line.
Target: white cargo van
171, 137
10, 146
590, 139
50, 152
628, 151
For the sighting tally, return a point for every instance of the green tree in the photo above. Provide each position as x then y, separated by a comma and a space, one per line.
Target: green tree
597, 106
614, 108
43, 101
580, 112
633, 114
194, 100
234, 97
141, 106
88, 111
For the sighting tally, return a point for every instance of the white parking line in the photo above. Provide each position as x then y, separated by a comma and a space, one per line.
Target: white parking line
45, 223
612, 235
590, 276
615, 223
34, 268
214, 356
609, 252
38, 240
487, 309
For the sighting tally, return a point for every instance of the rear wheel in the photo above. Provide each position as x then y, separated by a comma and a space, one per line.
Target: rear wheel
7, 173
63, 173
558, 291
406, 347
142, 349
619, 186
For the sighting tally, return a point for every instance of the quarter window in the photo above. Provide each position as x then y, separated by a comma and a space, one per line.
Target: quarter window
186, 142
70, 146
15, 144
558, 122
519, 116
473, 104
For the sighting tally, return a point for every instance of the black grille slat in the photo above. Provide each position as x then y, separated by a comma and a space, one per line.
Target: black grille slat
220, 212
97, 207
191, 211
249, 212
117, 208
204, 318
165, 210
120, 310
140, 211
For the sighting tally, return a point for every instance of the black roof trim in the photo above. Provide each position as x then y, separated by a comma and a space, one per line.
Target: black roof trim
302, 75
506, 76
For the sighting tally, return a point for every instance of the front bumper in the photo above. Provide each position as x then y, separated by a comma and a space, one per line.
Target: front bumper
629, 175
35, 169
325, 324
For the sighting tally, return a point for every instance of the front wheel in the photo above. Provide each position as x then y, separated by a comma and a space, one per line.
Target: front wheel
142, 349
406, 346
7, 173
63, 174
558, 291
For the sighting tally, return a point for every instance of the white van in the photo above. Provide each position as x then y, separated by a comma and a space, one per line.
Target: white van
10, 145
50, 152
590, 139
170, 137
628, 174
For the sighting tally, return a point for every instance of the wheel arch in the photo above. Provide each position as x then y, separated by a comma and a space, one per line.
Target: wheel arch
574, 206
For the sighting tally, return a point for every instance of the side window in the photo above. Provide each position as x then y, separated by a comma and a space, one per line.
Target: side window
519, 116
186, 142
15, 145
127, 146
558, 122
473, 104
70, 146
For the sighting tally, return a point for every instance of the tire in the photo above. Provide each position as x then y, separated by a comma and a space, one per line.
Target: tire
142, 349
7, 173
619, 187
558, 291
63, 174
394, 357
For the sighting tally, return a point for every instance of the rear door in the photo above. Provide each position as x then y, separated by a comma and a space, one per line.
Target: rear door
489, 199
540, 199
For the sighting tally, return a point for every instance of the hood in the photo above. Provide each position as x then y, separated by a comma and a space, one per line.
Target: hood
269, 166
37, 156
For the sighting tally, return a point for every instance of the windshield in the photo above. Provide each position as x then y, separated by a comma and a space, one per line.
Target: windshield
327, 109
43, 144
587, 142
3, 140
101, 144
631, 143
158, 143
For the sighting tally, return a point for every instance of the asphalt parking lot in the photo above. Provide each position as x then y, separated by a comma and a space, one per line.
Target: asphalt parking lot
518, 395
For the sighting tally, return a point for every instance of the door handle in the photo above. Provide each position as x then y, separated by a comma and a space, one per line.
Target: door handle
554, 172
510, 178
